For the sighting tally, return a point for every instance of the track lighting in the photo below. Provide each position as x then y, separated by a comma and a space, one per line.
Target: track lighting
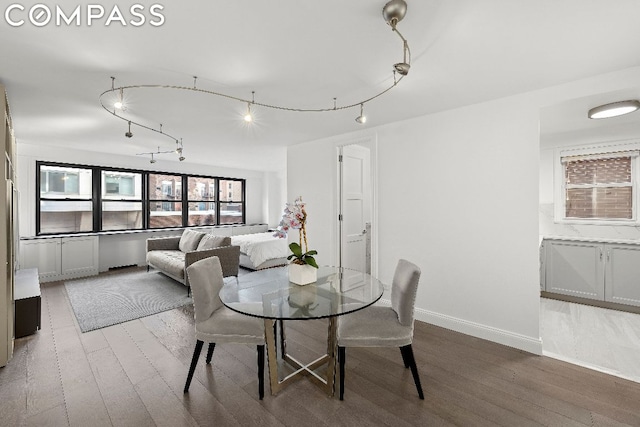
362, 119
248, 117
178, 150
614, 109
119, 104
393, 12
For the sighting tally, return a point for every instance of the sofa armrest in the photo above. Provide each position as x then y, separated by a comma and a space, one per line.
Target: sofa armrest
229, 258
163, 243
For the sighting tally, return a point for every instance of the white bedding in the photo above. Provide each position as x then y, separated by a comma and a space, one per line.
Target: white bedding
261, 247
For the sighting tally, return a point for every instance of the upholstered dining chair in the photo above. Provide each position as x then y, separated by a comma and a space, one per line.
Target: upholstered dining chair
378, 326
215, 323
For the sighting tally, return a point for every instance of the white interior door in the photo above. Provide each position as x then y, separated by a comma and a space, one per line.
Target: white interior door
355, 202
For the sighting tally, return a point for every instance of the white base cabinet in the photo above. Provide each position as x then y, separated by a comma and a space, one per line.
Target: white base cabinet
600, 271
61, 258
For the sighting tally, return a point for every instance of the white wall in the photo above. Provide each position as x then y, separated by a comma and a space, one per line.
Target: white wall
458, 195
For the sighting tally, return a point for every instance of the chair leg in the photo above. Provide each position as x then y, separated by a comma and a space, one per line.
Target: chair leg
188, 291
403, 351
194, 362
147, 268
341, 361
261, 371
212, 347
414, 368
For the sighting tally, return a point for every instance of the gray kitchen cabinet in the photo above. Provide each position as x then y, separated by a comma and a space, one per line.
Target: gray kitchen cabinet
622, 274
595, 270
574, 268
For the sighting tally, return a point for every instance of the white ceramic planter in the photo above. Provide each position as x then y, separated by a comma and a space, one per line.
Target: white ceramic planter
302, 274
302, 296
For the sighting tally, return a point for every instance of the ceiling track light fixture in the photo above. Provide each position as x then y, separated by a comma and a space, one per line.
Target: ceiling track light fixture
362, 119
249, 117
393, 12
178, 150
614, 109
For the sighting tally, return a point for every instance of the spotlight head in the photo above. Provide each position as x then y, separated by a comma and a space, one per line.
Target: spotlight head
152, 160
118, 105
362, 119
181, 158
128, 134
248, 117
402, 68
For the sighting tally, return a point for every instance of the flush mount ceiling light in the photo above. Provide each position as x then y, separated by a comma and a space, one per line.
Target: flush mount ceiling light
614, 109
112, 100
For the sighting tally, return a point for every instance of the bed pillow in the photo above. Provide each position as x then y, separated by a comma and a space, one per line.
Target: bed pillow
209, 241
189, 240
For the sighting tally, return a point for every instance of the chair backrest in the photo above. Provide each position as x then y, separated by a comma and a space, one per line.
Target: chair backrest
404, 289
205, 277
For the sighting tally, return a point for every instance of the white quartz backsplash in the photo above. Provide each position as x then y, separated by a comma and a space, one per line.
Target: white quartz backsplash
549, 228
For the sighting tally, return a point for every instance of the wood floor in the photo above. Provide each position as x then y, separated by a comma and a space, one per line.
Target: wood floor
133, 374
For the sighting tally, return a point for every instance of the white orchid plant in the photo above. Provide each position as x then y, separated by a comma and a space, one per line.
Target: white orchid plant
295, 218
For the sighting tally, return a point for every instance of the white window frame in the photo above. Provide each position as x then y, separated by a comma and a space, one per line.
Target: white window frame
631, 149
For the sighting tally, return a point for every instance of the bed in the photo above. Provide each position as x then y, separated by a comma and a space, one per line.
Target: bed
261, 250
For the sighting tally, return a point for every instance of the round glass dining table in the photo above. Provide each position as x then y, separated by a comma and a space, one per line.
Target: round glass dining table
270, 295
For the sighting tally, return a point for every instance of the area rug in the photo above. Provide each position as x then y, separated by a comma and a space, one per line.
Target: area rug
114, 298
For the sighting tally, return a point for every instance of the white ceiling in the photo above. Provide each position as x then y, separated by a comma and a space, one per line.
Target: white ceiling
298, 54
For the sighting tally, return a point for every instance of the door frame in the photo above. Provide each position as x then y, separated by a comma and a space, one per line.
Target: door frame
371, 142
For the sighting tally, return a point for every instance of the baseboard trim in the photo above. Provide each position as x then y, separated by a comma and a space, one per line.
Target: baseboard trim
477, 330
590, 366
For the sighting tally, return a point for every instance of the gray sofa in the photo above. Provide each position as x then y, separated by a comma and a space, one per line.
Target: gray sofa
172, 255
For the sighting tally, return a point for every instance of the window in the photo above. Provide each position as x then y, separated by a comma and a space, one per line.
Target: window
121, 200
75, 199
201, 200
165, 200
600, 186
65, 199
231, 201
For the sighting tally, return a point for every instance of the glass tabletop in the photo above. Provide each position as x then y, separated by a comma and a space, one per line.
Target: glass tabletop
269, 294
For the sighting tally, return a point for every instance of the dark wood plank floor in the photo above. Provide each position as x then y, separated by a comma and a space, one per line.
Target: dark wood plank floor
133, 374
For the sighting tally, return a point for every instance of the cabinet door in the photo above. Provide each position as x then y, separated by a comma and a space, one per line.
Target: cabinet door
575, 268
42, 254
79, 256
622, 284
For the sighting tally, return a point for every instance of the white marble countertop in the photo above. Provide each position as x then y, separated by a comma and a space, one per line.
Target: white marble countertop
592, 239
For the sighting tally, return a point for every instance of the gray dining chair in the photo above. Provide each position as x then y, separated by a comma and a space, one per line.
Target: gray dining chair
378, 326
215, 323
